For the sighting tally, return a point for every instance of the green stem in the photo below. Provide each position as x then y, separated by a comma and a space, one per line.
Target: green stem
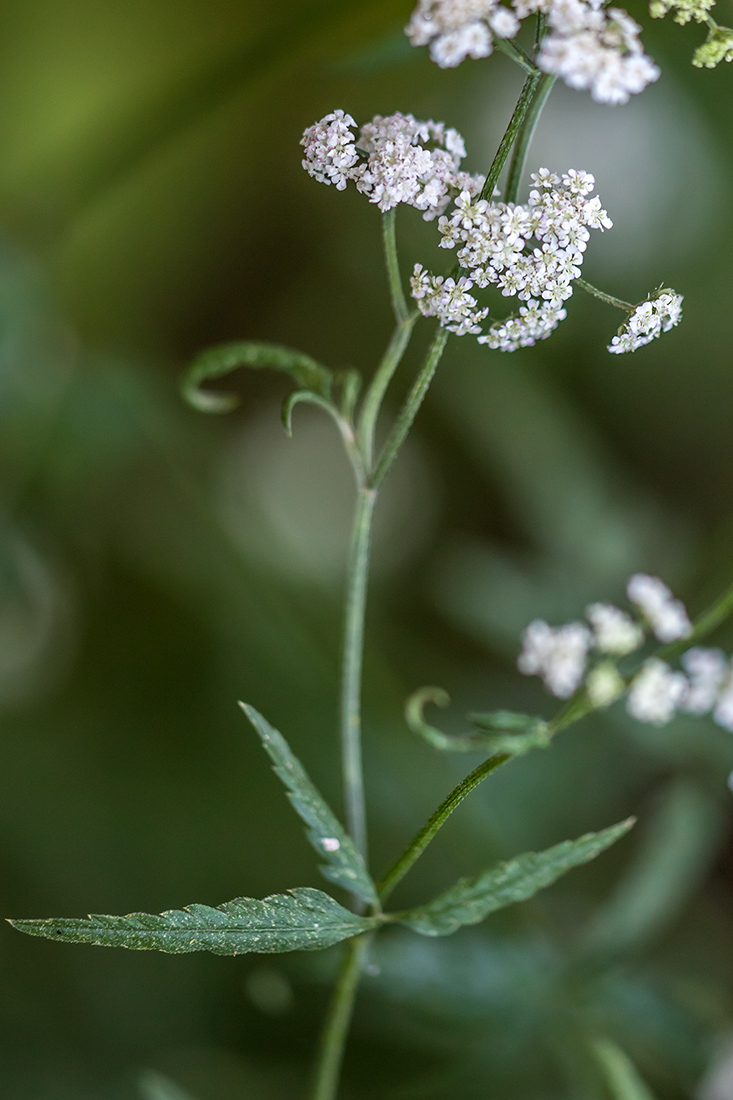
378, 387
516, 54
515, 123
333, 1039
389, 237
526, 133
607, 298
358, 571
420, 841
410, 408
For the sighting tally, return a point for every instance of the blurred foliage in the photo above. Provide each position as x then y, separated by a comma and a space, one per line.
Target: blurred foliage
155, 566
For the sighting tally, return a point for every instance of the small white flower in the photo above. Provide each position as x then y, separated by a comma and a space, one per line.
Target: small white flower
613, 630
648, 321
604, 684
656, 693
667, 616
723, 713
706, 670
330, 152
330, 843
557, 654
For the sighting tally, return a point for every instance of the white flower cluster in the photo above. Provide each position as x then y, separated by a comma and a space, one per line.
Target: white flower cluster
457, 29
560, 655
596, 49
588, 46
393, 160
493, 242
650, 319
448, 300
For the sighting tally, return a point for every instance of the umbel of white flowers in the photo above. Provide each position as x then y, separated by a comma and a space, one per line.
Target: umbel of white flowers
563, 657
530, 252
589, 46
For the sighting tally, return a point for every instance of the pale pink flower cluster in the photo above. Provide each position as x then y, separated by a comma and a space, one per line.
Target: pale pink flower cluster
397, 159
530, 252
589, 46
649, 320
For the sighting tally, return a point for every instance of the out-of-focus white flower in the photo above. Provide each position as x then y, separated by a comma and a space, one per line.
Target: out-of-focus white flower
656, 693
557, 654
613, 630
667, 616
723, 713
604, 684
457, 29
596, 49
706, 670
649, 320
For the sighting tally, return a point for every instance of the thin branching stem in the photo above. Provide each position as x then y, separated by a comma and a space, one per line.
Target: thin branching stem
420, 841
409, 410
353, 654
333, 1039
379, 384
542, 90
397, 293
607, 298
524, 103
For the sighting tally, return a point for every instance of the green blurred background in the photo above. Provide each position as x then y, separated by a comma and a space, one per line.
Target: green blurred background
156, 565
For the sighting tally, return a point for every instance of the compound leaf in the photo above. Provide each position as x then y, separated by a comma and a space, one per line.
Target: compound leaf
344, 864
472, 899
301, 920
221, 360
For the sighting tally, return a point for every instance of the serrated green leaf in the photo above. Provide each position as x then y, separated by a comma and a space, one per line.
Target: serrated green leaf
472, 899
344, 864
301, 920
221, 360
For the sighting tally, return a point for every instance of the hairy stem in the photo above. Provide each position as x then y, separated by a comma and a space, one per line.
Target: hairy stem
378, 387
420, 841
409, 411
389, 237
542, 90
607, 298
524, 103
358, 572
333, 1039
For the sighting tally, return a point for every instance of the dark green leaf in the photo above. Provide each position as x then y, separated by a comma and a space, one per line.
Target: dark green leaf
344, 864
472, 899
221, 360
301, 920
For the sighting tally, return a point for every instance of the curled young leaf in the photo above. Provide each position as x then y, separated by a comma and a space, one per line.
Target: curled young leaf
472, 899
301, 920
221, 360
344, 864
516, 733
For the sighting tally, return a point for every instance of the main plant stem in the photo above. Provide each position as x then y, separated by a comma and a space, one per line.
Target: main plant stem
333, 1039
356, 593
